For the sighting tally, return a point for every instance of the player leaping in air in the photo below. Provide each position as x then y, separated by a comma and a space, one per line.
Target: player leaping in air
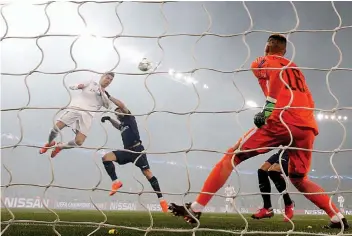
271, 168
271, 132
92, 98
131, 140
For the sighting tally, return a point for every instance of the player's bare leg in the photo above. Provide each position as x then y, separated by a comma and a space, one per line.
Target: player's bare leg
275, 175
78, 141
265, 189
110, 169
156, 187
53, 134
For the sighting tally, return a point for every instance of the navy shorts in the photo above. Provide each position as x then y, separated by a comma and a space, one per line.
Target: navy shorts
124, 157
284, 160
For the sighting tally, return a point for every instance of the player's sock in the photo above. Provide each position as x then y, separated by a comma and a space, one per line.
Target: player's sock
264, 186
110, 169
322, 201
53, 134
216, 179
68, 145
196, 207
337, 217
155, 185
280, 184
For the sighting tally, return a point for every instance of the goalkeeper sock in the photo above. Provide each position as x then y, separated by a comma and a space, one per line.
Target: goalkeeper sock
264, 186
155, 185
280, 184
110, 169
216, 179
69, 145
53, 134
196, 207
304, 185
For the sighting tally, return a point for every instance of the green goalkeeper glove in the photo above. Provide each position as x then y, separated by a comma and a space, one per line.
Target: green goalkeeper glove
261, 117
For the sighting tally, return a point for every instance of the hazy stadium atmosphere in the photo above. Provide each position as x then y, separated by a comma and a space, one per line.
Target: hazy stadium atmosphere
204, 37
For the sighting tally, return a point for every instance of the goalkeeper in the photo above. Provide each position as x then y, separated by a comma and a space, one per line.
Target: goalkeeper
80, 112
300, 125
127, 125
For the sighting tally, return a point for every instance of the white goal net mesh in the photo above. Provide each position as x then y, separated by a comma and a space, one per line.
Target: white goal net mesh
197, 100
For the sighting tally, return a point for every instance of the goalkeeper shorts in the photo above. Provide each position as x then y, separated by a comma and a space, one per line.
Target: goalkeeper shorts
275, 134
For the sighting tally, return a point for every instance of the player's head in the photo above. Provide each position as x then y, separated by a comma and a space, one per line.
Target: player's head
276, 45
106, 79
121, 115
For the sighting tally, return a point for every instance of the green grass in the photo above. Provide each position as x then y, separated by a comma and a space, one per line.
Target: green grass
141, 220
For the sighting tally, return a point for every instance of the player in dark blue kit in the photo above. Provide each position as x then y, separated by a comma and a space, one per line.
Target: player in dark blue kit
131, 140
271, 168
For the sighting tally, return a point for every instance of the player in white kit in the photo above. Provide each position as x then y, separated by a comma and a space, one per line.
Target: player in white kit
80, 112
229, 191
341, 200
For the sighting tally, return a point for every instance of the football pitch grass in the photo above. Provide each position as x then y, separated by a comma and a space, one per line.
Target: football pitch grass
305, 224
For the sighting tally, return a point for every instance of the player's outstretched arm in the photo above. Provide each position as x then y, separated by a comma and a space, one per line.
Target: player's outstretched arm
78, 86
120, 104
114, 123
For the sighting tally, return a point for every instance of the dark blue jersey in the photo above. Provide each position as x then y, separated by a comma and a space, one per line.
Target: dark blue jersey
129, 131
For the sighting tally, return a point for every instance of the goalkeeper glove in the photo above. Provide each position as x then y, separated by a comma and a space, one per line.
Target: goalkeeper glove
104, 118
261, 117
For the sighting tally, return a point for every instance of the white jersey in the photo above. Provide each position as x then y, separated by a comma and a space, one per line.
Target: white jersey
341, 200
229, 191
91, 98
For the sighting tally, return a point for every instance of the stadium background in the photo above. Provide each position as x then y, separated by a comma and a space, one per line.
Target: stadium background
172, 91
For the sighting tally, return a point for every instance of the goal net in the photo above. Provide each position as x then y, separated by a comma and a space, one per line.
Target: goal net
198, 98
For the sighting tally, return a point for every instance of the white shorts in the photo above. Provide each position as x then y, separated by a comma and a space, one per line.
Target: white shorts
82, 119
229, 200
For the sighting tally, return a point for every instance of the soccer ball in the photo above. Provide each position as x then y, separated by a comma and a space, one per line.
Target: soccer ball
145, 65
112, 231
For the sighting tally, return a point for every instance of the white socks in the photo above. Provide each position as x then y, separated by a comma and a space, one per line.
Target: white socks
196, 207
336, 218
53, 134
70, 144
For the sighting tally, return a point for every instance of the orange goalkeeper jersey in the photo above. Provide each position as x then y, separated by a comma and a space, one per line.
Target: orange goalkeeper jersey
273, 87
